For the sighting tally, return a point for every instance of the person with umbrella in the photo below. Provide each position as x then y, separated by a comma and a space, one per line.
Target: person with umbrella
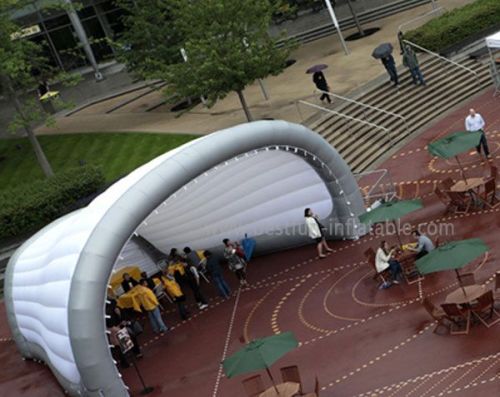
410, 60
320, 81
384, 53
475, 122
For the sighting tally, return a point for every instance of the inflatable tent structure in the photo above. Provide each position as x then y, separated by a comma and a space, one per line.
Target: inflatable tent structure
493, 44
255, 178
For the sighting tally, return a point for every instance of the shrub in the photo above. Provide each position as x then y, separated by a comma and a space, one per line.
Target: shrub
458, 25
29, 207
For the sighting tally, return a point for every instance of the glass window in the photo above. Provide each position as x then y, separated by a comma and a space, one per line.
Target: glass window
67, 45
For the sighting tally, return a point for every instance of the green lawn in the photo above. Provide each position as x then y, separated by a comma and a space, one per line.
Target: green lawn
116, 153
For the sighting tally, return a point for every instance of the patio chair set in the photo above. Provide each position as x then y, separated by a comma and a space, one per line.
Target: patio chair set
463, 308
460, 197
291, 386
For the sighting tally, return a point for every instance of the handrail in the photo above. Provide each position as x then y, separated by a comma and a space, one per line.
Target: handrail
434, 11
389, 195
367, 106
331, 111
469, 70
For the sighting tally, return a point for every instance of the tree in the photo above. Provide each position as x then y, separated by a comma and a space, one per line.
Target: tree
21, 63
150, 41
228, 47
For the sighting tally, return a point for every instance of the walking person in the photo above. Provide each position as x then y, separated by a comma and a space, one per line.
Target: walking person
235, 261
384, 260
321, 84
152, 307
316, 231
410, 60
475, 122
215, 271
390, 65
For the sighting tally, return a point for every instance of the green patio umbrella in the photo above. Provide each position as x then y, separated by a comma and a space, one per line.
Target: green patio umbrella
260, 354
454, 144
391, 211
452, 256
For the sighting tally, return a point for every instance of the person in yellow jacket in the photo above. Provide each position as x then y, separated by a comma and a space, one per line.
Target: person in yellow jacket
173, 289
150, 304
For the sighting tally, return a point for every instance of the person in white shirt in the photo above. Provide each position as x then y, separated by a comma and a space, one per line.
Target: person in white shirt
384, 261
315, 230
475, 122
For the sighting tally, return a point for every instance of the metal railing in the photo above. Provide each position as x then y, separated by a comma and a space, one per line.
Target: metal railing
365, 105
376, 185
442, 58
437, 10
346, 116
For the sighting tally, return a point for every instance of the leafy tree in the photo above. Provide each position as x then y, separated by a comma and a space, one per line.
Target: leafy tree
150, 41
19, 59
228, 47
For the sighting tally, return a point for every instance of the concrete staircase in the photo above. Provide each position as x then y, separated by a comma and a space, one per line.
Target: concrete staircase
362, 145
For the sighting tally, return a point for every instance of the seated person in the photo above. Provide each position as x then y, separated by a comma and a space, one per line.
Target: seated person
424, 244
128, 282
384, 261
149, 280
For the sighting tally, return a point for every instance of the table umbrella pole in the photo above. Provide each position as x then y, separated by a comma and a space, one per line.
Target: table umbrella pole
460, 282
461, 169
397, 234
272, 380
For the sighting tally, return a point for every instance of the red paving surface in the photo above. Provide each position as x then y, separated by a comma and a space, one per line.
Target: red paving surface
358, 340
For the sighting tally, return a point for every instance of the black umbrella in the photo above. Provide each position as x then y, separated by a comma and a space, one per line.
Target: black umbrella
316, 68
382, 51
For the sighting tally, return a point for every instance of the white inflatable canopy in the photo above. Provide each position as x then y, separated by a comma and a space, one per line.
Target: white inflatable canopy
256, 178
493, 41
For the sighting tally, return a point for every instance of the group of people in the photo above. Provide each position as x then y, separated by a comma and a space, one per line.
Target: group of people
385, 257
410, 60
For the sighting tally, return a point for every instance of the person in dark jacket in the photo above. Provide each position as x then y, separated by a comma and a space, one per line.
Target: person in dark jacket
128, 282
149, 281
321, 84
216, 272
390, 65
410, 60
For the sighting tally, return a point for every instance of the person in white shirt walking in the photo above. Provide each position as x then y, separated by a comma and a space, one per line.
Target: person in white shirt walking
475, 122
315, 230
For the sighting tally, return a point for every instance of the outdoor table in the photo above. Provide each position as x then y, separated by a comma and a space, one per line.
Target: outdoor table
287, 389
130, 300
472, 293
406, 258
472, 184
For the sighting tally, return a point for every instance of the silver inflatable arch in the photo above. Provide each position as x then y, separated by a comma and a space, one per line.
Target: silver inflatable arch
55, 286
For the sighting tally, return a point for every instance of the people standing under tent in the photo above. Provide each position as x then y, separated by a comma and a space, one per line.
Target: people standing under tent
173, 256
192, 278
173, 289
115, 320
150, 303
316, 231
475, 122
384, 261
321, 84
192, 257
149, 280
128, 282
390, 65
235, 260
216, 272
410, 60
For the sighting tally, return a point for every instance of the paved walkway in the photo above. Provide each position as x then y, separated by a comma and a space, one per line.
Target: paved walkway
345, 73
358, 340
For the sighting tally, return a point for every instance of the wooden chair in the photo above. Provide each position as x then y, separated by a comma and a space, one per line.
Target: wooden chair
460, 318
467, 279
316, 389
493, 172
447, 183
489, 196
253, 386
291, 374
443, 197
484, 310
461, 202
437, 314
384, 275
